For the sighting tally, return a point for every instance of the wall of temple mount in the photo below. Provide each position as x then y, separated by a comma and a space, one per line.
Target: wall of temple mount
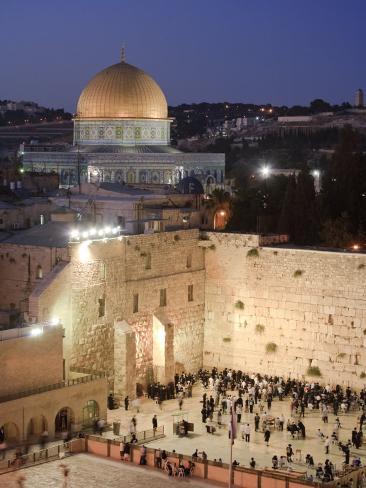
310, 304
208, 302
102, 282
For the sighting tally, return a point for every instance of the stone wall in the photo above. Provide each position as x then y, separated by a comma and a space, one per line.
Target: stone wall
31, 362
308, 305
117, 270
18, 271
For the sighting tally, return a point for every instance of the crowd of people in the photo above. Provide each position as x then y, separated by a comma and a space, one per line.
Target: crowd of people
236, 392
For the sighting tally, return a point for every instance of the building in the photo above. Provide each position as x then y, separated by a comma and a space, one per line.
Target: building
359, 98
35, 394
122, 134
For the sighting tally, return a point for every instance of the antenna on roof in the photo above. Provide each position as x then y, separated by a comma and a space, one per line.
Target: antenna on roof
123, 53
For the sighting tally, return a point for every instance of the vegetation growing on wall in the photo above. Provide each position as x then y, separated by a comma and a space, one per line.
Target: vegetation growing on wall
271, 347
313, 371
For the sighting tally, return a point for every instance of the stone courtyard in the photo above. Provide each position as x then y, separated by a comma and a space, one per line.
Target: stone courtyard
217, 445
93, 472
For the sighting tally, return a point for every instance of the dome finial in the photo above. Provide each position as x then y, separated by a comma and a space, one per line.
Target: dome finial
123, 53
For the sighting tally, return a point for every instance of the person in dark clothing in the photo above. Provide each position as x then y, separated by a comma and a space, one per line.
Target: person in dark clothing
127, 401
267, 436
354, 437
154, 423
256, 422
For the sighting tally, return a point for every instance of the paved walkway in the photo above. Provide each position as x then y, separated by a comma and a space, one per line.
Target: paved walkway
217, 445
87, 471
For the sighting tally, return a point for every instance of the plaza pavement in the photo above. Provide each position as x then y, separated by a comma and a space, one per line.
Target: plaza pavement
88, 471
217, 445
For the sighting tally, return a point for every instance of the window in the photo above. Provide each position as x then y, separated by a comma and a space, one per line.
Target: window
135, 303
189, 261
39, 272
163, 297
148, 261
190, 293
121, 221
101, 307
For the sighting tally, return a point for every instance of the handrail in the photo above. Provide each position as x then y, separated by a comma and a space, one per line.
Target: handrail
37, 457
56, 386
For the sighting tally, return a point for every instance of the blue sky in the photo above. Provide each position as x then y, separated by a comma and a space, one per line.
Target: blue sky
275, 51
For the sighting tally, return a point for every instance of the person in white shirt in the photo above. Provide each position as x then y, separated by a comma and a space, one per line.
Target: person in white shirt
247, 432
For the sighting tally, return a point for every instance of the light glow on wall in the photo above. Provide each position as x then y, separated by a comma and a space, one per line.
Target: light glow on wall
37, 331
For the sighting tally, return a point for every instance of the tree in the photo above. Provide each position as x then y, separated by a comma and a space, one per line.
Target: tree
318, 105
286, 224
336, 232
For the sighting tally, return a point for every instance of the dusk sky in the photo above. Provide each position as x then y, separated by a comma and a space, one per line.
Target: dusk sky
282, 52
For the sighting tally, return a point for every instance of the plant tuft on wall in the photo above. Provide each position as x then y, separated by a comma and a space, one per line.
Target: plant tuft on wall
313, 371
298, 273
253, 253
240, 305
259, 328
271, 347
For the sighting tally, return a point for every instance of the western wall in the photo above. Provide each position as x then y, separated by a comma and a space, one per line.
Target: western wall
125, 307
279, 310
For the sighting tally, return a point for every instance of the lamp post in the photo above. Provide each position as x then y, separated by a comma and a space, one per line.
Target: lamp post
265, 172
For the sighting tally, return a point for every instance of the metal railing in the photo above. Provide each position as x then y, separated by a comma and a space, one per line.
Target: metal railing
36, 457
56, 386
143, 436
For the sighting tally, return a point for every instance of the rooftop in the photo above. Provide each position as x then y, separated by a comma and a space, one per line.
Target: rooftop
52, 234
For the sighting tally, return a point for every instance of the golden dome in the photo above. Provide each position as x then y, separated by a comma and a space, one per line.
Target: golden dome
122, 91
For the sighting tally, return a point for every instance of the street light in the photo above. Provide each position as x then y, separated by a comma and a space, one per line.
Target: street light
316, 173
265, 171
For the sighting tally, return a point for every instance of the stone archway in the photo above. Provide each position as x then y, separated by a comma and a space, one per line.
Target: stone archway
90, 413
11, 431
36, 426
63, 421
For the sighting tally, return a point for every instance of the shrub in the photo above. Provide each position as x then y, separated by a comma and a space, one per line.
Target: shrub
259, 328
226, 339
176, 237
363, 374
361, 266
298, 273
313, 371
252, 253
271, 347
240, 305
341, 355
212, 247
143, 254
275, 253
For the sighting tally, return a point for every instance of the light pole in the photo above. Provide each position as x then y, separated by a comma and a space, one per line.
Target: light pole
265, 172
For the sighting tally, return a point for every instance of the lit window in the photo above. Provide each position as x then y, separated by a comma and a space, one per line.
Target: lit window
135, 303
163, 297
190, 293
101, 307
39, 272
